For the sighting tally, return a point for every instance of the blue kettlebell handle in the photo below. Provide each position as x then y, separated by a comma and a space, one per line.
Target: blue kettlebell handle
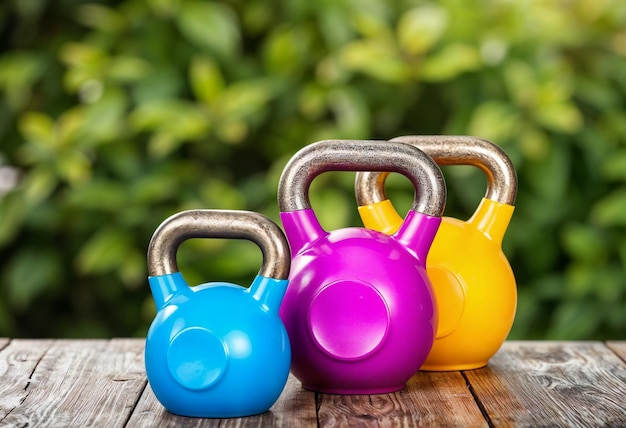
228, 224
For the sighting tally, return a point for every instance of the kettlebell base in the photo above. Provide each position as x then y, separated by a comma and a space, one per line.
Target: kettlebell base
354, 391
217, 414
453, 367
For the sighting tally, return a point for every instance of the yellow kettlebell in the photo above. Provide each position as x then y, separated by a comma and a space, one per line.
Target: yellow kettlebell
473, 281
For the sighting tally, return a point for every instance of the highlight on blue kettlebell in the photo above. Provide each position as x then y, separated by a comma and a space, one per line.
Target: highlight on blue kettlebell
217, 350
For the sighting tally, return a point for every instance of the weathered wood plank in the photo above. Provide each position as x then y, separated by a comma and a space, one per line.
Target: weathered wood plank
17, 363
556, 384
619, 348
429, 399
294, 407
83, 383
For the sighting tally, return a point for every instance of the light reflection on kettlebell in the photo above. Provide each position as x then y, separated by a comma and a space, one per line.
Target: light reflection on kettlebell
217, 349
472, 279
359, 308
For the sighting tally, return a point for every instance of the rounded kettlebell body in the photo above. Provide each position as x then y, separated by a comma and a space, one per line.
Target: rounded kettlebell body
213, 350
472, 279
359, 309
216, 349
360, 313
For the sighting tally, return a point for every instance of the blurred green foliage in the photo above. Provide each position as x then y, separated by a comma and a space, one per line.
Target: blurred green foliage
117, 114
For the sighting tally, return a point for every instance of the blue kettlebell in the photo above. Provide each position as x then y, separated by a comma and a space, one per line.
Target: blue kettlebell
217, 350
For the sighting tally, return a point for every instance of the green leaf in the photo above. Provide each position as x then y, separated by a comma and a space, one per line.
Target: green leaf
86, 62
246, 98
233, 130
206, 79
127, 68
370, 18
12, 214
103, 121
20, 68
30, 273
210, 25
521, 82
38, 129
611, 209
574, 320
133, 271
102, 18
167, 114
452, 60
561, 117
153, 188
312, 101
104, 252
420, 28
614, 167
99, 195
285, 50
534, 143
172, 122
549, 177
18, 73
351, 112
377, 58
493, 120
165, 8
38, 184
73, 166
583, 242
218, 193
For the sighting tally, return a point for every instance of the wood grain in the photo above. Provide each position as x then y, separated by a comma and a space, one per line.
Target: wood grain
82, 383
556, 384
18, 360
294, 407
429, 399
619, 348
77, 383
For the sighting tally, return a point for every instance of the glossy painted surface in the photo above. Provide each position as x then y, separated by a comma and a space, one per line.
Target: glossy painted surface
359, 308
217, 350
472, 280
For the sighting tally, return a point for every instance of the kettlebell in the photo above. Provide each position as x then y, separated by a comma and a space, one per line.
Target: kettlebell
472, 279
359, 308
217, 350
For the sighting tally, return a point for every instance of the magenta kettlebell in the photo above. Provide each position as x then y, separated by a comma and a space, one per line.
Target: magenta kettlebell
359, 308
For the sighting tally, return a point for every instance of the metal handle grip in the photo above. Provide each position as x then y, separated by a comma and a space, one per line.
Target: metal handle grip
450, 150
362, 155
227, 224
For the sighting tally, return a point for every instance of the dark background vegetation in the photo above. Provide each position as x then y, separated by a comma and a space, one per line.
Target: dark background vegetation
117, 114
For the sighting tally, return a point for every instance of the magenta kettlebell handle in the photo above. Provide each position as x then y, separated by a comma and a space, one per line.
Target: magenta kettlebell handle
362, 155
450, 150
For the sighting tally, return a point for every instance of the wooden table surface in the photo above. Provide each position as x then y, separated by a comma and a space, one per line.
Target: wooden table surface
102, 383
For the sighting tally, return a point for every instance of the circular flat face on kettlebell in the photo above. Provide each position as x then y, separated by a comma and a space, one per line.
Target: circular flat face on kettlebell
197, 358
348, 319
449, 289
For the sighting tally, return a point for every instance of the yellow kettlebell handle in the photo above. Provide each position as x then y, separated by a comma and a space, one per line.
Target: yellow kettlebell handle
495, 210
